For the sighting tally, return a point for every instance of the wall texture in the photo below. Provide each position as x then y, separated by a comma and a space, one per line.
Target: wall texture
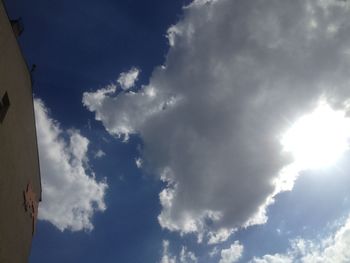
19, 164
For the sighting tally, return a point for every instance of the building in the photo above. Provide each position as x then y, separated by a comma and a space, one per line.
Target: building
20, 187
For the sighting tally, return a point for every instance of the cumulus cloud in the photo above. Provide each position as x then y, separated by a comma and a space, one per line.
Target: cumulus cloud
237, 75
232, 254
127, 79
71, 194
334, 248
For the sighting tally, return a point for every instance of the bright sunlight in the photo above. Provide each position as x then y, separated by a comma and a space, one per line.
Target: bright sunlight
318, 140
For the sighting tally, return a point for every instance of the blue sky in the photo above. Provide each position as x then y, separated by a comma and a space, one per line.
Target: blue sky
79, 46
216, 85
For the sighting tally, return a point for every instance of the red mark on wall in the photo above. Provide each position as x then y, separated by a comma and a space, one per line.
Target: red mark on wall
31, 204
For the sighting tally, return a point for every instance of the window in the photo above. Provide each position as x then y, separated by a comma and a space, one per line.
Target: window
4, 106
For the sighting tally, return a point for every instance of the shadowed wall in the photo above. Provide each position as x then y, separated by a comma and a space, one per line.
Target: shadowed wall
19, 164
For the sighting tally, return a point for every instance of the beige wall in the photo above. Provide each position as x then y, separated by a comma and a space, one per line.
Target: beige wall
18, 149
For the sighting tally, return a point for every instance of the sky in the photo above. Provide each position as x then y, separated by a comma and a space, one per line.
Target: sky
206, 131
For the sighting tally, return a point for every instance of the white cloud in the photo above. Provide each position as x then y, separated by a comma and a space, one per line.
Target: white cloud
219, 236
127, 119
232, 254
167, 257
185, 255
199, 3
71, 194
237, 74
171, 33
215, 251
127, 79
334, 248
276, 258
99, 154
138, 162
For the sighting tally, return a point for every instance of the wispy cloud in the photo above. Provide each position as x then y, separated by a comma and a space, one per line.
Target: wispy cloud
334, 248
99, 154
185, 256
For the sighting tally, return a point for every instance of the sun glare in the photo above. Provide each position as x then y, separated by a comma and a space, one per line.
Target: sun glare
318, 140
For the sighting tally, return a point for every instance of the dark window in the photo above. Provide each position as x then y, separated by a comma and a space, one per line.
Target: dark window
4, 106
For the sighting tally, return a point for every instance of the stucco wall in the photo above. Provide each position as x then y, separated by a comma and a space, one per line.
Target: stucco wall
18, 149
